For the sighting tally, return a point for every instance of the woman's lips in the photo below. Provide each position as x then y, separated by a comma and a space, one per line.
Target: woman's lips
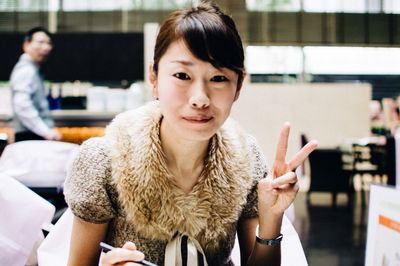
198, 119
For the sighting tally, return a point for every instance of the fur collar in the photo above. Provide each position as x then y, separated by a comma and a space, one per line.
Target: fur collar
148, 194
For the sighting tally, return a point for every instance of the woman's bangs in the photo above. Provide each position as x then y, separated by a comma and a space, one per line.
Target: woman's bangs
209, 40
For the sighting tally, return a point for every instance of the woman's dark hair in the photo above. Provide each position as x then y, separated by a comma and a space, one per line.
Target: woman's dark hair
209, 34
29, 34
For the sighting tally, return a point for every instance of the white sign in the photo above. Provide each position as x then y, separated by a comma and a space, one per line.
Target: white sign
383, 235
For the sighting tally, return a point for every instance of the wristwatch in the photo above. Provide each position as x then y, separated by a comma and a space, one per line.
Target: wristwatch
270, 242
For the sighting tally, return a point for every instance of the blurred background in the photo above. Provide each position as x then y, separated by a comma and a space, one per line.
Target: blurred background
330, 67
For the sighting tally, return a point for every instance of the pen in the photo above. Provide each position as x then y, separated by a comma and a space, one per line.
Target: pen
106, 248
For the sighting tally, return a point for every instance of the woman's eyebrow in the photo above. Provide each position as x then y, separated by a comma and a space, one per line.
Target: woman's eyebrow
183, 62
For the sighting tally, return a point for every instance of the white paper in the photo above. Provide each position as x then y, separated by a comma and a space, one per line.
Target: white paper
383, 235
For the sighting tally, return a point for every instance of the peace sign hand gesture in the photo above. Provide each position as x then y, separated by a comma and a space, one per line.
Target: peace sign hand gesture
277, 191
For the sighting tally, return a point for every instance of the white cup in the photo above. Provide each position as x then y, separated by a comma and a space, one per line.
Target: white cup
96, 99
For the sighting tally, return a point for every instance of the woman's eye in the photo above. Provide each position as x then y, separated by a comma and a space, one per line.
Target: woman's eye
182, 76
219, 79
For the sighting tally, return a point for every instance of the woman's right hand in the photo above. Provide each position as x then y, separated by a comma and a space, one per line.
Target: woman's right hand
126, 256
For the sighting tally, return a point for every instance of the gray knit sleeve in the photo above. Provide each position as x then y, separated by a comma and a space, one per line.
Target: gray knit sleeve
260, 169
87, 184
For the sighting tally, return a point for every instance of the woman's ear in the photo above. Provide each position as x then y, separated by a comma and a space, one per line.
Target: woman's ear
240, 85
237, 94
153, 81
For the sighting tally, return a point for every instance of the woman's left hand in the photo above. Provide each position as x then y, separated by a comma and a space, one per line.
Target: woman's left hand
279, 189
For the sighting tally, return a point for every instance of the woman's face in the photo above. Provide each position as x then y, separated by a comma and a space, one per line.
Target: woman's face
195, 97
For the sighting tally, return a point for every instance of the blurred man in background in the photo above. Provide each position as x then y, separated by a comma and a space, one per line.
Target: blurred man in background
32, 118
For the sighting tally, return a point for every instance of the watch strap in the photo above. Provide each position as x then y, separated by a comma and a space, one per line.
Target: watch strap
270, 242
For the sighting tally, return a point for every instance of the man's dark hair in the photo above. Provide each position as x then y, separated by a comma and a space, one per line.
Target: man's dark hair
29, 34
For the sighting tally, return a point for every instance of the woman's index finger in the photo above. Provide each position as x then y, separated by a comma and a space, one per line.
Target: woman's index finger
301, 155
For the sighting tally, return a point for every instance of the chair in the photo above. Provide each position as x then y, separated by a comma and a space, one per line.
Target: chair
24, 214
375, 160
327, 173
393, 157
40, 165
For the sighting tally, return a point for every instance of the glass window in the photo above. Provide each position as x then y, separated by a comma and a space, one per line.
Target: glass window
352, 60
54, 5
274, 60
320, 6
391, 6
151, 4
273, 5
93, 5
24, 5
7, 5
353, 6
323, 60
374, 6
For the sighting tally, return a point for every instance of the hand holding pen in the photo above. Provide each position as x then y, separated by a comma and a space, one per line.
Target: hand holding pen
128, 254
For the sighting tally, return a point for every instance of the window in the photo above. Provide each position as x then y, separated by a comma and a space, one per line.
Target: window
352, 60
321, 6
353, 6
98, 5
274, 60
273, 5
391, 6
24, 5
323, 60
330, 6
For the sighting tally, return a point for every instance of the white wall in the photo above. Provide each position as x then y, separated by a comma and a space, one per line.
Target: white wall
326, 112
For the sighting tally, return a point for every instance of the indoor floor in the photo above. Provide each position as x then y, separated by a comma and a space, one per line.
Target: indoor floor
331, 236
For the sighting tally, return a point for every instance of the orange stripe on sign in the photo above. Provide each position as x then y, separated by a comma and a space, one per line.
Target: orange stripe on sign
392, 224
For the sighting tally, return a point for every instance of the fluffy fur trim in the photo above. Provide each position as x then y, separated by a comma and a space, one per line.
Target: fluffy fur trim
147, 191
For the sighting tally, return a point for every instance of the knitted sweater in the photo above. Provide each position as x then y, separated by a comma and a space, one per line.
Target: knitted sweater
122, 179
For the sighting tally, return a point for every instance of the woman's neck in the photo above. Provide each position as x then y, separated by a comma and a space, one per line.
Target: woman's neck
184, 158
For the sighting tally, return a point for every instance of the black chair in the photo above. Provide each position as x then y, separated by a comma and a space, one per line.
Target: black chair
327, 173
3, 142
391, 160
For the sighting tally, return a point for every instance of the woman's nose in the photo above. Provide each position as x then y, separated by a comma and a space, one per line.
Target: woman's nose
199, 97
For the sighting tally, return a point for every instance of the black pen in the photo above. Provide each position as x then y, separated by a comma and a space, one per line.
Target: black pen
106, 248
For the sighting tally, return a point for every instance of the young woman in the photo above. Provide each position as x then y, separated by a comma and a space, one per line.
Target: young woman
174, 181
